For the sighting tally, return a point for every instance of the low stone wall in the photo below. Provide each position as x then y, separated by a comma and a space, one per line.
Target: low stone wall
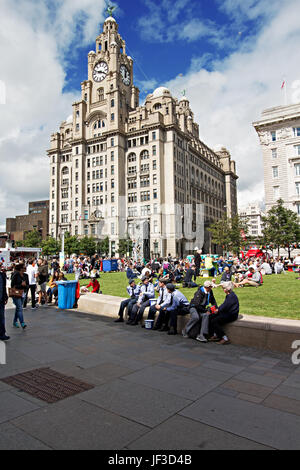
266, 333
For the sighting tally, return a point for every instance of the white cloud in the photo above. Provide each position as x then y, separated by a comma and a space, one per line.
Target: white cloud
34, 38
228, 99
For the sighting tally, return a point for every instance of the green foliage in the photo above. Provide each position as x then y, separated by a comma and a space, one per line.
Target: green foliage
19, 244
72, 244
88, 246
228, 233
103, 246
281, 226
33, 239
51, 246
125, 246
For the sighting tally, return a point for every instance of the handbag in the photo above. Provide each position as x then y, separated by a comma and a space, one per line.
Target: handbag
13, 292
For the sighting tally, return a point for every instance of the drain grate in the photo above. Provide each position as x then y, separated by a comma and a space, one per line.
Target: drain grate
47, 384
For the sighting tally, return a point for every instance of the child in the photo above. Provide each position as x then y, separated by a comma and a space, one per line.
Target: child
95, 285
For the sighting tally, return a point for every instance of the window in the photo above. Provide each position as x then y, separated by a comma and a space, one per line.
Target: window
64, 206
145, 210
112, 117
145, 196
155, 194
112, 228
132, 158
112, 170
53, 171
64, 219
154, 150
155, 209
297, 150
275, 171
77, 127
297, 169
132, 170
154, 179
112, 197
113, 211
145, 168
298, 189
86, 230
112, 156
112, 142
132, 197
77, 114
145, 155
112, 103
86, 215
77, 150
273, 136
274, 153
155, 226
153, 135
296, 131
298, 208
154, 165
112, 184
145, 181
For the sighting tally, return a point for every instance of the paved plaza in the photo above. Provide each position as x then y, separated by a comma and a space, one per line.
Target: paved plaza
151, 391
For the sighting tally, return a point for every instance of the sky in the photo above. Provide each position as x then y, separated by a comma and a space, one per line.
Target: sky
231, 57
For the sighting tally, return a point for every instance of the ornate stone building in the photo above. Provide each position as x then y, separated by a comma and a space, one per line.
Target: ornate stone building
279, 135
118, 167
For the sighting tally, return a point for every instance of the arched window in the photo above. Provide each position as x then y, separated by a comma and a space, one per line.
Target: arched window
145, 155
157, 106
132, 158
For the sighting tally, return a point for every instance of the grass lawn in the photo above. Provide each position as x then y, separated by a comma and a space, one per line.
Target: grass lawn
278, 297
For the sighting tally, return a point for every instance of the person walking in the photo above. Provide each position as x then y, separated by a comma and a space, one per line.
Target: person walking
18, 282
32, 273
3, 302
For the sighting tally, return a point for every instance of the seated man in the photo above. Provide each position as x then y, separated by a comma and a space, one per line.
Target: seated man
227, 312
134, 292
179, 305
146, 293
255, 280
198, 311
226, 276
161, 304
187, 282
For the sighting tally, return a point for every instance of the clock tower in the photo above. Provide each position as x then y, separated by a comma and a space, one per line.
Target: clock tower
109, 87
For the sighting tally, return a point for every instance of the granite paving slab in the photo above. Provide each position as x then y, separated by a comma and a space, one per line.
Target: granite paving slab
169, 381
74, 424
12, 438
182, 433
267, 426
136, 402
12, 406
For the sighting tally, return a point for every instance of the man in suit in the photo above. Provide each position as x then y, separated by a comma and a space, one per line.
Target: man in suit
161, 304
147, 293
187, 282
3, 302
179, 305
227, 312
198, 308
134, 292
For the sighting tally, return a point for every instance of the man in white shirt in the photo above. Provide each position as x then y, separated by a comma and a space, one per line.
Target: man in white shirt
297, 260
32, 272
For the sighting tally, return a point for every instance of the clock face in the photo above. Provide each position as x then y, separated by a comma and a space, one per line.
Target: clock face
126, 79
100, 71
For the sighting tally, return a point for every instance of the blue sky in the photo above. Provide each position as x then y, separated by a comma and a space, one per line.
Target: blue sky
230, 56
164, 37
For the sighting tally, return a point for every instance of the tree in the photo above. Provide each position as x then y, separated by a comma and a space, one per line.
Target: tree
33, 239
19, 243
229, 233
281, 226
125, 246
72, 244
51, 246
87, 245
103, 246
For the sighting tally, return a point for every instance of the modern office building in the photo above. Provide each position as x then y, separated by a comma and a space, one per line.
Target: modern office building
279, 135
119, 167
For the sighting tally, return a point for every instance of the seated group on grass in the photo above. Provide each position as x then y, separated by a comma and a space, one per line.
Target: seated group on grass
205, 323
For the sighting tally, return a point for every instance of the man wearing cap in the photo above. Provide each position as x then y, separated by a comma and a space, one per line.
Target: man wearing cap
161, 304
146, 293
179, 305
3, 302
134, 292
203, 297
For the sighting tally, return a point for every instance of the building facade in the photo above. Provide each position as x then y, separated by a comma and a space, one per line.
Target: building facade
119, 168
279, 135
37, 219
252, 215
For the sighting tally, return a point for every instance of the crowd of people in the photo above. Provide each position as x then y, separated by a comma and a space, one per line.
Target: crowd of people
39, 279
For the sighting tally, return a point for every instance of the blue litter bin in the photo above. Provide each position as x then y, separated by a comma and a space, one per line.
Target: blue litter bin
66, 294
110, 265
